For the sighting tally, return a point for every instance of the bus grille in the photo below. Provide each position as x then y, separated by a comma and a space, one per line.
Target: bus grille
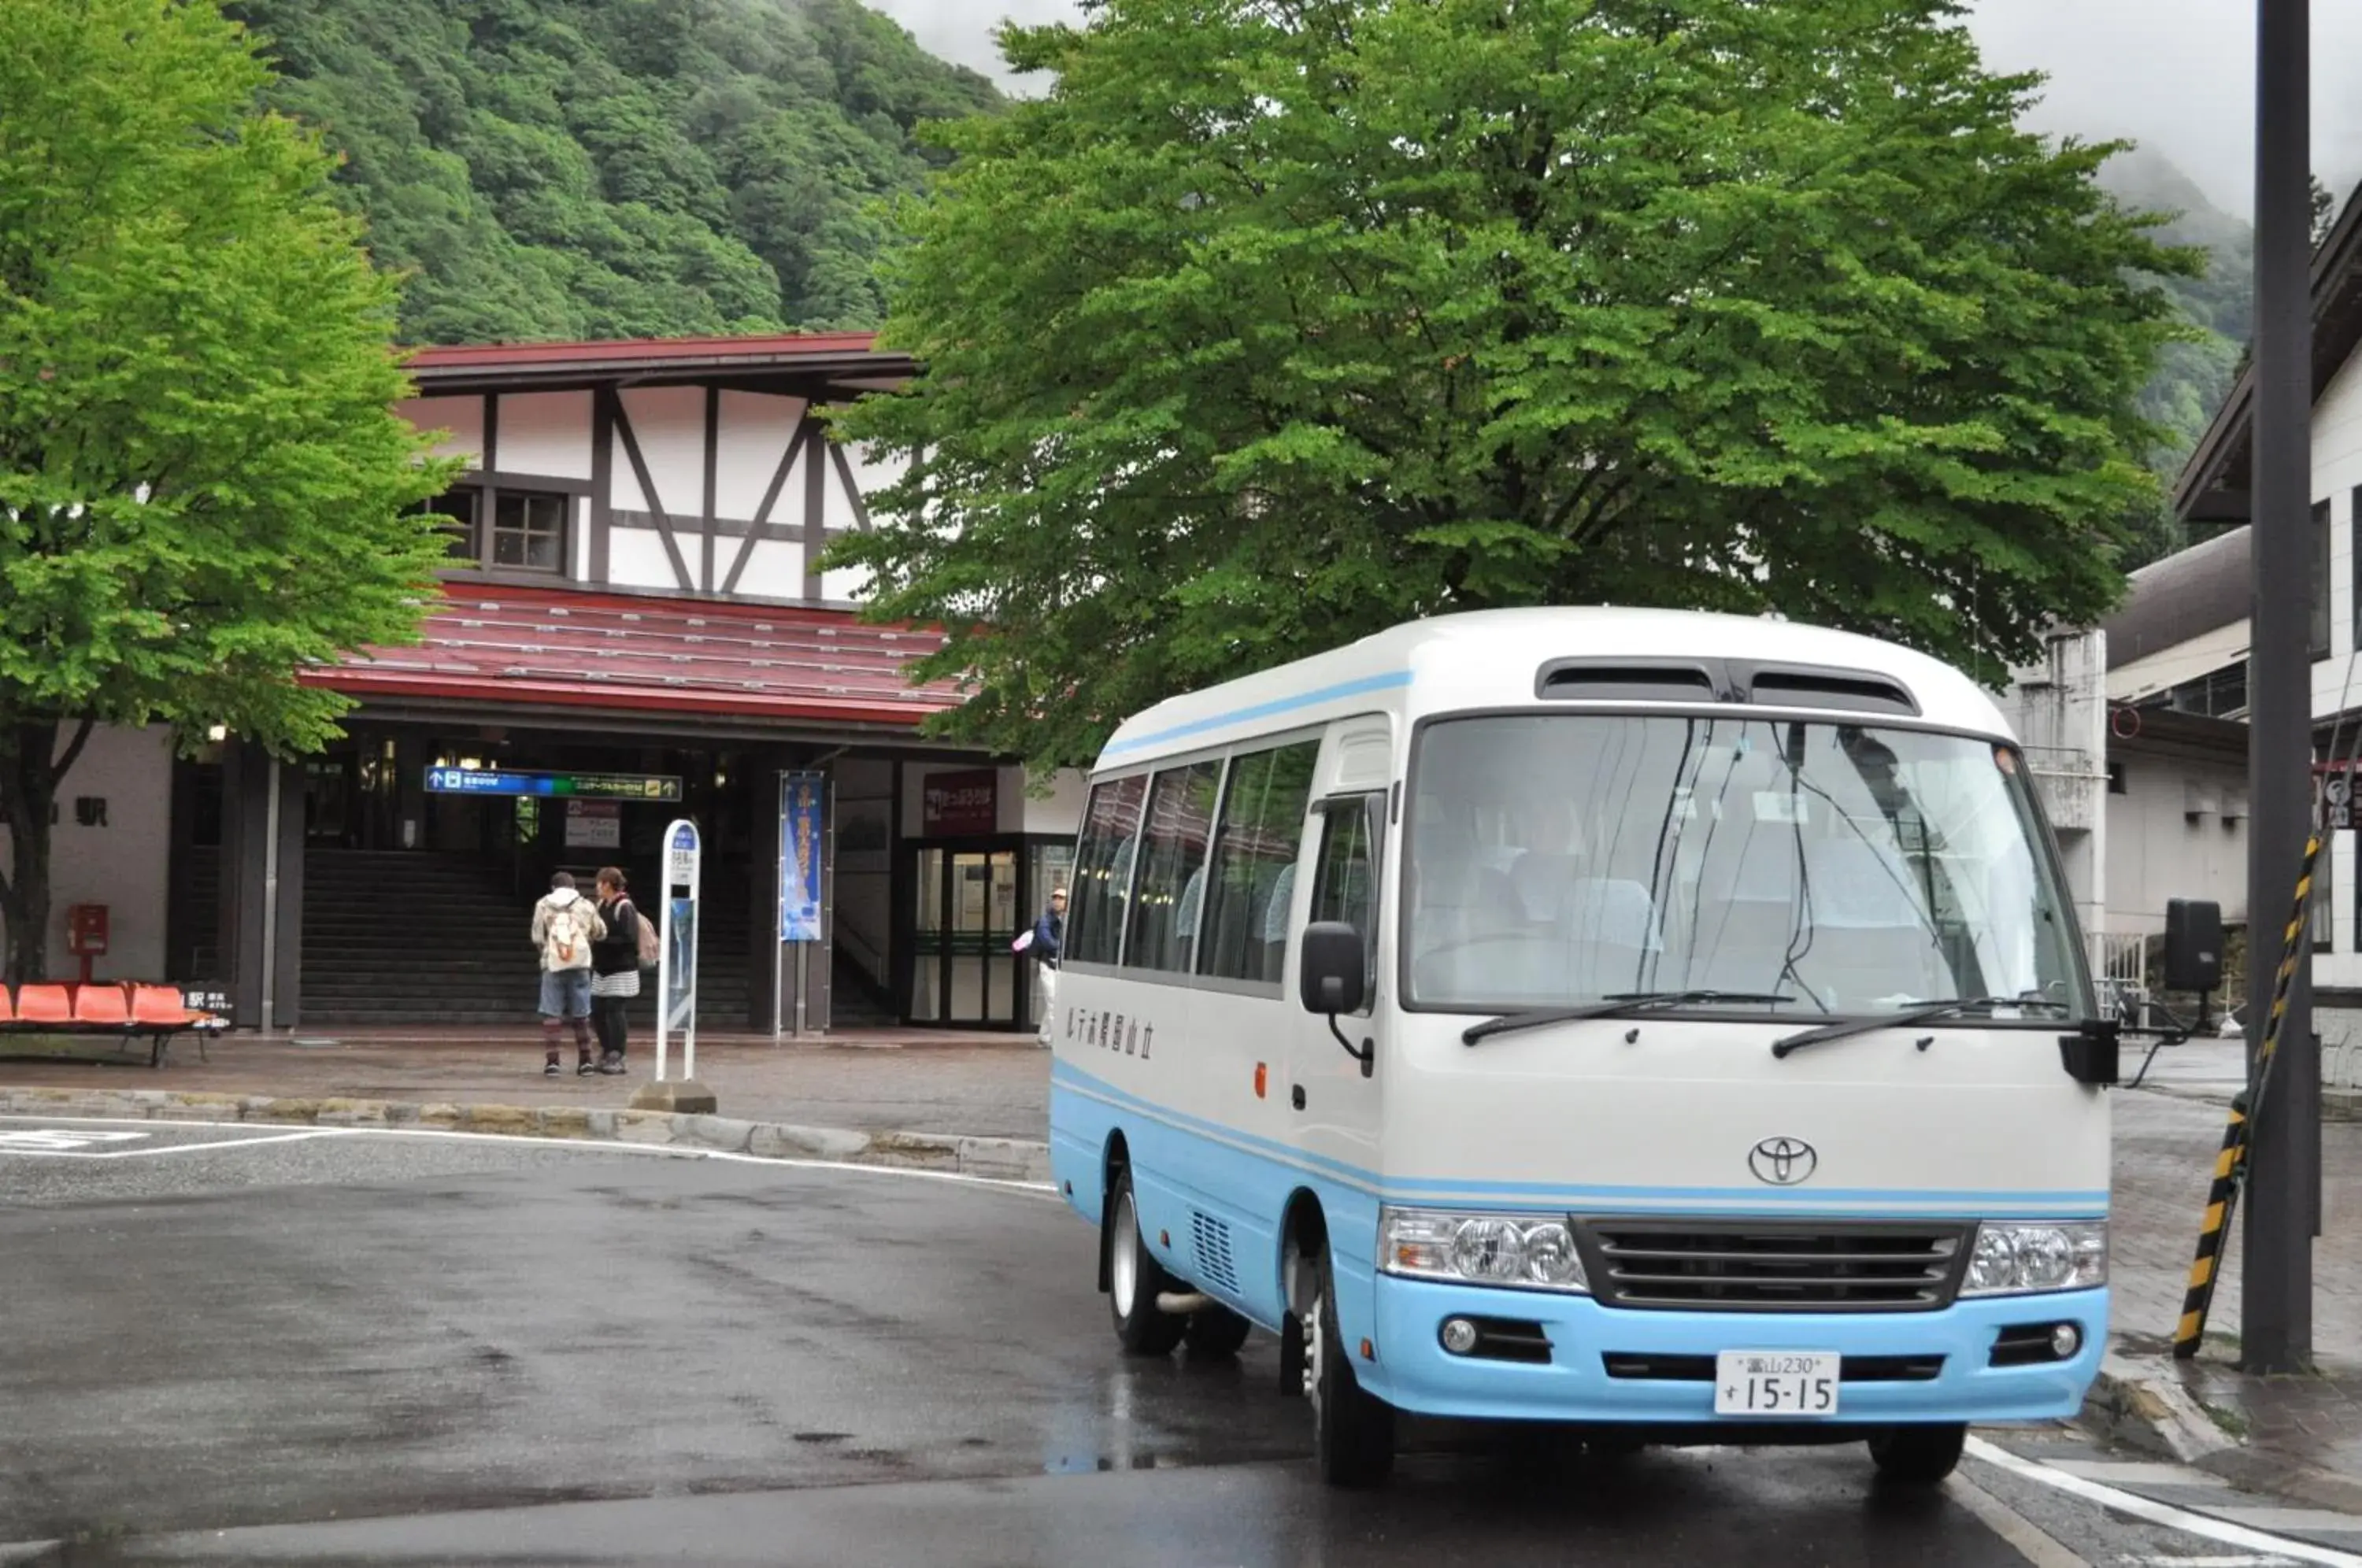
1774, 1266
1213, 1240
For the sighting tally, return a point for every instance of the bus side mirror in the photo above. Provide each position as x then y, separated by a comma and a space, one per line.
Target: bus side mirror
1333, 978
2193, 946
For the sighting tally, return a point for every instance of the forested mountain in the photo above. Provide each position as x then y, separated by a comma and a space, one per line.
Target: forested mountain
2193, 377
562, 169
556, 168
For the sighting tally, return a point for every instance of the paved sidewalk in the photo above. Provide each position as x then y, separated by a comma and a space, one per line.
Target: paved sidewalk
2298, 1436
991, 1085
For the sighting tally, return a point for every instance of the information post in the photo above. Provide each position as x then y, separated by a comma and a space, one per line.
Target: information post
677, 957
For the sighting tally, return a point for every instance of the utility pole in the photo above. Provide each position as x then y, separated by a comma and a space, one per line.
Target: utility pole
2276, 1289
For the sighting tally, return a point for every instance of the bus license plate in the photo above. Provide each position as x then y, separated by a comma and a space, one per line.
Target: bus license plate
1793, 1384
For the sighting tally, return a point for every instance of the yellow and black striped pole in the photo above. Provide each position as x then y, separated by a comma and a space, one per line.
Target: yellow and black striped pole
2231, 1161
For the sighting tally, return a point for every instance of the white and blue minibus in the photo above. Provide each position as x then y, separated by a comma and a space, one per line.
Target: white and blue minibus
1671, 1026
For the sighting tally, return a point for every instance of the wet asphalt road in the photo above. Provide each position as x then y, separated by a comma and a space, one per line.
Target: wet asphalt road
373, 1349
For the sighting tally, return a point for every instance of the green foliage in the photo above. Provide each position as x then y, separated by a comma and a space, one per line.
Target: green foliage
568, 169
1272, 326
203, 486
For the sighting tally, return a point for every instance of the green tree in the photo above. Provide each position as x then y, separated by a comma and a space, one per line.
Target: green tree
203, 486
1274, 323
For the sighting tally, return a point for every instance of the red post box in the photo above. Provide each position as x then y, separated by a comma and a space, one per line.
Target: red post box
86, 935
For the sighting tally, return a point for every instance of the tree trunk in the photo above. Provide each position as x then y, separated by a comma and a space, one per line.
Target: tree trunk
30, 768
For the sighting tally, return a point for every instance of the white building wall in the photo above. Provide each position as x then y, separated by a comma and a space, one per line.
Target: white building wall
543, 432
755, 432
2168, 838
124, 865
670, 425
461, 418
2059, 711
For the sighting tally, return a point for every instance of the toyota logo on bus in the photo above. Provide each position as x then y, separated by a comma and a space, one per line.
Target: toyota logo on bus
1783, 1162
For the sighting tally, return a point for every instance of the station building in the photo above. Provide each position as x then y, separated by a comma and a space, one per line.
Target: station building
636, 628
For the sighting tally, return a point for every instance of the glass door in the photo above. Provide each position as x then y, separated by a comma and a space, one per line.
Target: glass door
962, 971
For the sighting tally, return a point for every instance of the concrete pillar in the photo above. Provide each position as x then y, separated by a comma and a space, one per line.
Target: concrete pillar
250, 903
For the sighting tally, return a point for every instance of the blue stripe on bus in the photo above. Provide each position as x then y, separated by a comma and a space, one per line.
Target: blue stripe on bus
1389, 683
1988, 1202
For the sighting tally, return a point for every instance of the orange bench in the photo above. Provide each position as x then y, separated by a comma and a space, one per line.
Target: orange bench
125, 1010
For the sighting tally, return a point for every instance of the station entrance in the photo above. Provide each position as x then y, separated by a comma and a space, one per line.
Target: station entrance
418, 852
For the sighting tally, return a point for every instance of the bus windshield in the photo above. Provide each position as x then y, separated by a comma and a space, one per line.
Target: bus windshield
1558, 859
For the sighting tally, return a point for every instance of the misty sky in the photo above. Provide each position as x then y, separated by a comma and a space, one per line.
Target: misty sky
2176, 75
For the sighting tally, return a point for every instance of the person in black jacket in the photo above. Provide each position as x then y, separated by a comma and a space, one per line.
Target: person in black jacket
614, 969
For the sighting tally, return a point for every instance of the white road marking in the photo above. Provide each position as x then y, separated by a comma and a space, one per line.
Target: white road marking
2245, 1561
63, 1145
50, 1140
2025, 1537
1035, 1190
2164, 1514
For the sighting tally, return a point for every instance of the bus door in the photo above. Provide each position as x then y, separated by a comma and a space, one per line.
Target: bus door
1334, 1106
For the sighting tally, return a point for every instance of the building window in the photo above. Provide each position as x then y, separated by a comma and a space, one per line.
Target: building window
529, 530
1166, 899
1347, 889
2218, 694
2117, 778
1253, 875
1101, 893
2321, 579
457, 509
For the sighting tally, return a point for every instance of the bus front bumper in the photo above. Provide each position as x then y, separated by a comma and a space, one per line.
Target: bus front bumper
1647, 1368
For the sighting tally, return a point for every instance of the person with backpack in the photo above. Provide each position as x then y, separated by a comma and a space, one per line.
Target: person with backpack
615, 964
564, 926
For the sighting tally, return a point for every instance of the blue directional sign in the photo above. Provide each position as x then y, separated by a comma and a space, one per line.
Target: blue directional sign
571, 786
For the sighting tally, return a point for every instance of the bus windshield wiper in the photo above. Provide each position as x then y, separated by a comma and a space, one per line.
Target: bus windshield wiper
1926, 1013
1610, 1007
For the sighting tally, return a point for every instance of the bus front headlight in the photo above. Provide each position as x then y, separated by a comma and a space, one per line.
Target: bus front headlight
2023, 1260
1522, 1252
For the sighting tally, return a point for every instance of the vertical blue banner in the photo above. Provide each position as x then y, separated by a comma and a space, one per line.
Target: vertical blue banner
804, 800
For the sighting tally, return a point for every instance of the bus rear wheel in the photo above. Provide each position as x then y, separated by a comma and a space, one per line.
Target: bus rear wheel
1353, 1431
1135, 1279
1918, 1455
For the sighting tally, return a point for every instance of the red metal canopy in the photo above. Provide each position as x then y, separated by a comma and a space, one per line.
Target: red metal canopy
537, 647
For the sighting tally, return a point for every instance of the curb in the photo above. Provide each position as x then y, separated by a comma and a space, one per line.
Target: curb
1003, 1159
2139, 1403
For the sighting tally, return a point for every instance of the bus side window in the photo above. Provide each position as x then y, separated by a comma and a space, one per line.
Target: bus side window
1347, 888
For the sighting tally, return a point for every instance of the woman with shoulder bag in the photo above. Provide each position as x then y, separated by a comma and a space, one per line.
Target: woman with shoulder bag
614, 969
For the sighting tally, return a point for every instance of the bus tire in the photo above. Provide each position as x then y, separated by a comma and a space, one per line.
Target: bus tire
1215, 1333
1918, 1455
1135, 1279
1353, 1431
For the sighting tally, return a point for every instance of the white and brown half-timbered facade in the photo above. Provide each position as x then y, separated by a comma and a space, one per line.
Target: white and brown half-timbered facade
636, 595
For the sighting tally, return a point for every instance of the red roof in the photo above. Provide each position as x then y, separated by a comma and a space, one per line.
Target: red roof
835, 363
634, 350
536, 647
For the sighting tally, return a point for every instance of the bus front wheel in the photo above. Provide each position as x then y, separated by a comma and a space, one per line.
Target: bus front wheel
1353, 1431
1135, 1279
1918, 1455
